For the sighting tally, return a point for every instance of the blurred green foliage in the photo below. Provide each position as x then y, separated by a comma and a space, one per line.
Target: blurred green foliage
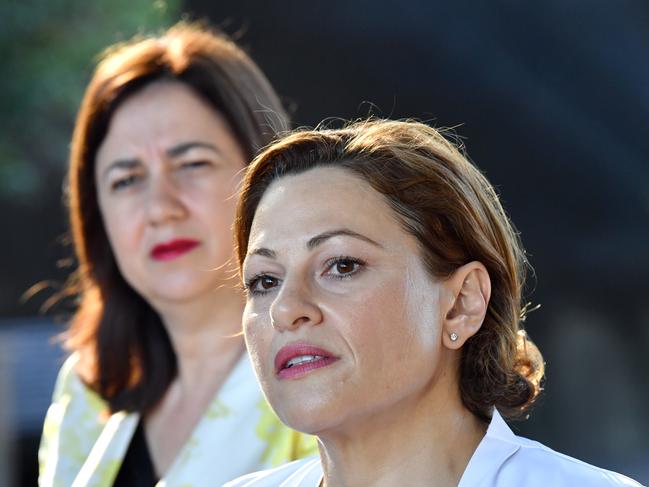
48, 52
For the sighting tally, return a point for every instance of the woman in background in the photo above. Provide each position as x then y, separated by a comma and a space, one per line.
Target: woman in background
383, 314
158, 385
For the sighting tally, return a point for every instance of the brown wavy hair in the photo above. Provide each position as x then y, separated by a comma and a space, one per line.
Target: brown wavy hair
446, 203
125, 353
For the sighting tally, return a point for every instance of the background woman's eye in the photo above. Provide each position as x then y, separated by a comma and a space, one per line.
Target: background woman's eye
195, 164
124, 182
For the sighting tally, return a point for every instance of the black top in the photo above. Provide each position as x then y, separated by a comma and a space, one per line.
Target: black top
137, 468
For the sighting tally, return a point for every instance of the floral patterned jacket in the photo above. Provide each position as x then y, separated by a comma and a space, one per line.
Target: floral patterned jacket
237, 434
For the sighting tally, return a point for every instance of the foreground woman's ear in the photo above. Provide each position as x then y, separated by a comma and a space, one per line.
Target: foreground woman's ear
468, 291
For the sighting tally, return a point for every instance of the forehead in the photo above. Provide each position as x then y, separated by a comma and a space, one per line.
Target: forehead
163, 111
294, 208
162, 101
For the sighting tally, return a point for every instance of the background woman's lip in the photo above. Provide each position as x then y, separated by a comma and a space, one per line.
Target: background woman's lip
173, 249
293, 350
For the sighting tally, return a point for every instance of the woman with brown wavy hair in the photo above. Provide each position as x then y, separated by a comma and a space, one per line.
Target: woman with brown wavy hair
384, 314
158, 385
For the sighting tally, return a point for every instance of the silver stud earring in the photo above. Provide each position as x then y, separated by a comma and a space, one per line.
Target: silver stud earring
453, 336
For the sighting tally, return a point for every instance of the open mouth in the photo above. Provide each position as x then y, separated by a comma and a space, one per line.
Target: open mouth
297, 360
302, 359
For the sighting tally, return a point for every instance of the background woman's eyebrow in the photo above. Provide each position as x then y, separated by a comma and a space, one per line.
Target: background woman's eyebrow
121, 164
321, 238
180, 149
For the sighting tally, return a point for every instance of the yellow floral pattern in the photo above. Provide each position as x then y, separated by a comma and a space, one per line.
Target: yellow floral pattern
238, 434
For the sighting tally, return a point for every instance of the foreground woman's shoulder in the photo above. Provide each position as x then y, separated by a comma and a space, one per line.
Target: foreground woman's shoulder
504, 459
301, 473
534, 464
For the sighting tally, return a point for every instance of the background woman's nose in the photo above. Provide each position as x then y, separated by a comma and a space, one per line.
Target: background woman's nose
164, 201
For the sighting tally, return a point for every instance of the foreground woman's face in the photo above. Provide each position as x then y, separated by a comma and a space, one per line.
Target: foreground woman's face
342, 319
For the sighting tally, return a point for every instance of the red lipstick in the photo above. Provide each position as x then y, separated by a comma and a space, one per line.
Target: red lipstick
173, 249
298, 359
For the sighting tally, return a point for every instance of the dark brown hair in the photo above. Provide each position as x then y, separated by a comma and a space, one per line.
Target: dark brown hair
454, 213
125, 353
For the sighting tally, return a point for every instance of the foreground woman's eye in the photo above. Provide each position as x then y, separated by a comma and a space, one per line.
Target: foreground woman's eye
343, 267
261, 284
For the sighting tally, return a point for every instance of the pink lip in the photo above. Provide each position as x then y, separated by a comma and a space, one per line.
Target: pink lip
173, 249
299, 370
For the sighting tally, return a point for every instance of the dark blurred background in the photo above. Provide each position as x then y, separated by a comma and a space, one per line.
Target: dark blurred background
551, 100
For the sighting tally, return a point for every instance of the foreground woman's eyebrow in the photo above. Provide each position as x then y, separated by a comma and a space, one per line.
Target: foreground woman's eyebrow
318, 240
322, 237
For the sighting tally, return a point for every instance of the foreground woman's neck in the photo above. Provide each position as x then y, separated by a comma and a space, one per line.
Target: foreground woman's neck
422, 441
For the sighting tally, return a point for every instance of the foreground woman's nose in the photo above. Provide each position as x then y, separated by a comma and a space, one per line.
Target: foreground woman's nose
294, 307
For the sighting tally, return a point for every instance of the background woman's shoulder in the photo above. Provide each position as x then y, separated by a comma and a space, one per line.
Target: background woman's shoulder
72, 425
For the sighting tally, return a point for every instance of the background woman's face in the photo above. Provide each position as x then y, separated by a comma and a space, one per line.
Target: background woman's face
342, 319
166, 177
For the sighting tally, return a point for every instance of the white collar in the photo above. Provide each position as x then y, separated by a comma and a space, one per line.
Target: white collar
496, 447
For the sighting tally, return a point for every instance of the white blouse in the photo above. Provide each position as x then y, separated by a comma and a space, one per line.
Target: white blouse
502, 459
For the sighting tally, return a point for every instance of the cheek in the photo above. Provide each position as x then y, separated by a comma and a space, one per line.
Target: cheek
216, 210
395, 325
257, 337
216, 192
421, 302
375, 325
423, 320
123, 232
